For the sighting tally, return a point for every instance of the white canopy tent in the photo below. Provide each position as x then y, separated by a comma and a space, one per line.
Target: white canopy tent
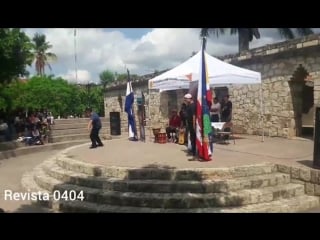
220, 73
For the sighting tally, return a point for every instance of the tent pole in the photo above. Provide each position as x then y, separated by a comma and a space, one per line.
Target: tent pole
261, 112
149, 117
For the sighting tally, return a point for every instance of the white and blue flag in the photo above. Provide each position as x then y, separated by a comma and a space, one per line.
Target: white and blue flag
128, 107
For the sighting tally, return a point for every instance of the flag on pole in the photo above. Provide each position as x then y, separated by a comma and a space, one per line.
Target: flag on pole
204, 100
129, 110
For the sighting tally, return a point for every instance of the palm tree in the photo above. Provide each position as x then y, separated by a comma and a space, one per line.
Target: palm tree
246, 34
41, 56
106, 77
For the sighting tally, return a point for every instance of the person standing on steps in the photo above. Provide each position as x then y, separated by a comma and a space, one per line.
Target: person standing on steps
191, 121
94, 126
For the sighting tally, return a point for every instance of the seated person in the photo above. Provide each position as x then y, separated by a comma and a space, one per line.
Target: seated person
174, 124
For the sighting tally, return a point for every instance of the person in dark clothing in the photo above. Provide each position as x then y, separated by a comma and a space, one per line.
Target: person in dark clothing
226, 110
183, 115
191, 121
94, 126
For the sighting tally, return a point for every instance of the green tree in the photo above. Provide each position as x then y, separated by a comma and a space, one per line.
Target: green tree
106, 77
51, 93
15, 54
41, 54
124, 77
246, 35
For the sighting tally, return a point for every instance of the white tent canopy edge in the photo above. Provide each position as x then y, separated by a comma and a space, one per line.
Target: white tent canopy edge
220, 73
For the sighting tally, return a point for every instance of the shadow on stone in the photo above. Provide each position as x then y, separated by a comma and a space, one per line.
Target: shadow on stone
32, 208
307, 163
158, 166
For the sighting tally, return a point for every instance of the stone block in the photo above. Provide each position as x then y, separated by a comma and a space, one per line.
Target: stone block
311, 43
305, 175
272, 51
295, 173
314, 176
309, 187
317, 189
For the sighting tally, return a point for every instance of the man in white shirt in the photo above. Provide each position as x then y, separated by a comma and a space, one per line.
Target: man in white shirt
215, 110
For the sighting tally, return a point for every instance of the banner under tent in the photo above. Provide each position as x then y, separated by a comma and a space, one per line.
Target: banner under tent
220, 73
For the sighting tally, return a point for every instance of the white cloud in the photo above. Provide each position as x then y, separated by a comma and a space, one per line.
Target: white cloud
82, 76
99, 49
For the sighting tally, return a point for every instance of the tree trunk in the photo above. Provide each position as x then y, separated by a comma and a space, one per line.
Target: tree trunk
243, 34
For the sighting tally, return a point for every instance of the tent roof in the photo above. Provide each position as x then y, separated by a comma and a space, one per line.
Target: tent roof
219, 72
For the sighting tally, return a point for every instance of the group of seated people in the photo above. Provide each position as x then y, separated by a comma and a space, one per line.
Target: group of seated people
37, 129
31, 128
219, 112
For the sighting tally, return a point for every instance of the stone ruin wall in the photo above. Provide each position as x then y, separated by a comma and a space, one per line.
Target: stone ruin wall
277, 64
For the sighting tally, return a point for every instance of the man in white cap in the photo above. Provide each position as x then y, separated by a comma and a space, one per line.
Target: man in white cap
191, 121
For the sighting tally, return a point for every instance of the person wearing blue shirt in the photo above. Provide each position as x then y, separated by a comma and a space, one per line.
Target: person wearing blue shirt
94, 126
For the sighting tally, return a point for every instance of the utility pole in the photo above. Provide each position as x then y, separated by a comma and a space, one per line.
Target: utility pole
75, 54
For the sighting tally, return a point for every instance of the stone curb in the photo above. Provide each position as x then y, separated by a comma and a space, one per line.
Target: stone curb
293, 205
40, 148
309, 177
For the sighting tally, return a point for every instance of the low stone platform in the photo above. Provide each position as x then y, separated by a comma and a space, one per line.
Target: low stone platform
125, 176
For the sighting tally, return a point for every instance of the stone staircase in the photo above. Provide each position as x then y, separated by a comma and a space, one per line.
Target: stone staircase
255, 188
76, 129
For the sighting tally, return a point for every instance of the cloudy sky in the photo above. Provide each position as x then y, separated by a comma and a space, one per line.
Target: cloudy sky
141, 50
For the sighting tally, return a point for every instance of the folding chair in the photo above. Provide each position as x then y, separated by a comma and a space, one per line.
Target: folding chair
226, 133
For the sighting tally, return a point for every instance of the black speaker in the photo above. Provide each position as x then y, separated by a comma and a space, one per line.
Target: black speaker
316, 148
115, 123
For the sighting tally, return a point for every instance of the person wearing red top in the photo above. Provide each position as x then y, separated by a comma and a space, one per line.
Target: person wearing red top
174, 124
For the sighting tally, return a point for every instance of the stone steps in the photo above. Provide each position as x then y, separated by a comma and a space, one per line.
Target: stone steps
84, 125
76, 120
70, 129
165, 186
75, 131
29, 184
194, 174
292, 205
252, 188
174, 200
72, 137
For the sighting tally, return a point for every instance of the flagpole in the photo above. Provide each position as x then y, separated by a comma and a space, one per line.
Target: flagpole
203, 126
75, 54
133, 115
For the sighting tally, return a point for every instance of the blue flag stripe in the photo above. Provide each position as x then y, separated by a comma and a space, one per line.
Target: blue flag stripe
129, 108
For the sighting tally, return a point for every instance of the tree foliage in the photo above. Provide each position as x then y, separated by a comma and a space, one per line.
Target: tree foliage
106, 77
246, 35
15, 54
40, 53
54, 94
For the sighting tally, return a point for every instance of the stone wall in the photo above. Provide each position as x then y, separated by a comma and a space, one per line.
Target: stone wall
310, 178
277, 63
159, 103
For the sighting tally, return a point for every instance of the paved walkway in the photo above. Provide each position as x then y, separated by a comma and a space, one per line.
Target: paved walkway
247, 150
11, 171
